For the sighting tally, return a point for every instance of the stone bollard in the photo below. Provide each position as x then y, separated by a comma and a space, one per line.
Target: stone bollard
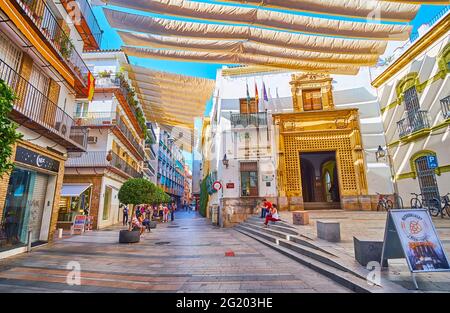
329, 230
60, 233
300, 217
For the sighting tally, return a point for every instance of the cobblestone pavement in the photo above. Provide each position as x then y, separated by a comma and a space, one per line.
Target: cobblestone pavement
187, 255
370, 226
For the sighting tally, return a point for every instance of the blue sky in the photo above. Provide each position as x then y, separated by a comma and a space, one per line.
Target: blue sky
112, 41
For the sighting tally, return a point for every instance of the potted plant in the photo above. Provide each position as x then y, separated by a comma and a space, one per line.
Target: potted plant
133, 192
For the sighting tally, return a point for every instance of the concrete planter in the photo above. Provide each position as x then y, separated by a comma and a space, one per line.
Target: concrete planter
126, 236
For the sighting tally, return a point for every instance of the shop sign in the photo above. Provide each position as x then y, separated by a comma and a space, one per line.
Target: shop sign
411, 234
89, 222
230, 185
267, 177
79, 223
35, 159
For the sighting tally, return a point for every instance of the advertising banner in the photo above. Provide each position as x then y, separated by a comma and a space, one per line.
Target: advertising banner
418, 239
78, 223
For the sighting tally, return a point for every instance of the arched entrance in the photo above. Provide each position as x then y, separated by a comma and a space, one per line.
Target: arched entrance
320, 181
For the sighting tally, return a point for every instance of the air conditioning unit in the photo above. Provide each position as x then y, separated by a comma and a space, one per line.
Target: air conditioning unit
92, 139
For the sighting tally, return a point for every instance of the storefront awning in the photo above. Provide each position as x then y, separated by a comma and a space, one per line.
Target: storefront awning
73, 190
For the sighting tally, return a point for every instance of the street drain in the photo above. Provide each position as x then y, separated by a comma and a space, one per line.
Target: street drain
162, 243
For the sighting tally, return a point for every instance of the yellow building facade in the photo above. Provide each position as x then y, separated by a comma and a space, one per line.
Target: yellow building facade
317, 130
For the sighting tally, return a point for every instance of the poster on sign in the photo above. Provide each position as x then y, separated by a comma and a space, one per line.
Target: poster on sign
79, 223
414, 233
89, 223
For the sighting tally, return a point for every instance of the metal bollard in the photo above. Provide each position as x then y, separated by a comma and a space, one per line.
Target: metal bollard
29, 241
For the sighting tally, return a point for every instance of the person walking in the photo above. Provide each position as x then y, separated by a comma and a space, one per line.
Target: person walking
125, 214
165, 214
172, 211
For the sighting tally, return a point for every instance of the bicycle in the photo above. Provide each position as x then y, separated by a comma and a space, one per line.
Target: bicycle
440, 207
384, 204
415, 202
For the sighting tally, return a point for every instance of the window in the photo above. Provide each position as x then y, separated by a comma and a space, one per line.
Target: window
249, 179
312, 99
247, 107
107, 203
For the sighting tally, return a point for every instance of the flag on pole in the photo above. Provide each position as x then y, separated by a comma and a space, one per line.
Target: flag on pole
266, 98
256, 94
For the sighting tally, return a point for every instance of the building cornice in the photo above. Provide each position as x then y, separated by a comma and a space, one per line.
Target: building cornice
437, 31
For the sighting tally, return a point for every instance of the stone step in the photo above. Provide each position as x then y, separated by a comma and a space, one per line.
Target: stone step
344, 277
280, 223
281, 227
297, 246
321, 206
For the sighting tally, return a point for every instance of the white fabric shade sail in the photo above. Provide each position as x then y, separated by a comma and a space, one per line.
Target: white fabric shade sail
267, 18
237, 58
170, 99
243, 47
386, 10
161, 26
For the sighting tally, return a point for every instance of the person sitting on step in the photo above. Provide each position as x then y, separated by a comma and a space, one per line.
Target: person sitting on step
272, 216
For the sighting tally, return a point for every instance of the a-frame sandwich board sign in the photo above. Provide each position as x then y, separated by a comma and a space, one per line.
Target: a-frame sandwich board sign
411, 234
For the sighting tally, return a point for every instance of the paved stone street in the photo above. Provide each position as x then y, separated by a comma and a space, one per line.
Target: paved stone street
370, 226
187, 255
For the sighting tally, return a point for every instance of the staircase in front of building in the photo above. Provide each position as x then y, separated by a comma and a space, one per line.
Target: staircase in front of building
285, 238
309, 206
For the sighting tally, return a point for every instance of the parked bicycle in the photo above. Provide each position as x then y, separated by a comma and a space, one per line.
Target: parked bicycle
384, 204
440, 206
415, 202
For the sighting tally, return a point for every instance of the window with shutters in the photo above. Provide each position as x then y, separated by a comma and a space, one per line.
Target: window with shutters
10, 53
247, 106
312, 100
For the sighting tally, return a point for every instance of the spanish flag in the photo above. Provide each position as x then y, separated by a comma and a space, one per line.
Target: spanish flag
256, 94
91, 86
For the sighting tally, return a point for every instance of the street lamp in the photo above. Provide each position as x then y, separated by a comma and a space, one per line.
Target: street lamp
225, 161
381, 153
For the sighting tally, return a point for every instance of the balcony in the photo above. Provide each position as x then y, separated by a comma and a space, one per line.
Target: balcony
49, 26
129, 136
149, 168
245, 120
35, 111
116, 83
413, 123
94, 159
111, 119
87, 25
445, 106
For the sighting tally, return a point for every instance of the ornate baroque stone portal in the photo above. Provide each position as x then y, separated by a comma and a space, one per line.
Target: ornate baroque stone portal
326, 129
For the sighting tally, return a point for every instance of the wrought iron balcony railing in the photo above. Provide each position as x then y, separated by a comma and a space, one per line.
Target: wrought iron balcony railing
100, 159
35, 110
91, 20
445, 105
92, 119
98, 119
245, 120
413, 122
106, 82
45, 20
129, 135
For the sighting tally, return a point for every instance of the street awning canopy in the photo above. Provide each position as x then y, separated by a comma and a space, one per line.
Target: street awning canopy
74, 190
171, 99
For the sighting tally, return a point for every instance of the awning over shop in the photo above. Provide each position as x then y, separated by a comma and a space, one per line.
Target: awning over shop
73, 190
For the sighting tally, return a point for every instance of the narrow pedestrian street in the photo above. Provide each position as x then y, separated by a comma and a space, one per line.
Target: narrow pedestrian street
187, 255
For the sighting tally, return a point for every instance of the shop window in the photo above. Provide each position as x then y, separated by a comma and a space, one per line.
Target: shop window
107, 203
312, 100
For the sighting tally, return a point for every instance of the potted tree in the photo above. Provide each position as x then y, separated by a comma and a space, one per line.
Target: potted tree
133, 192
